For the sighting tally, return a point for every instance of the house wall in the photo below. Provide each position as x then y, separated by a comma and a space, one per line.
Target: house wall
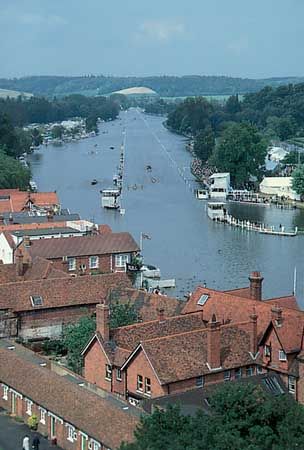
141, 366
49, 323
44, 429
6, 252
273, 361
95, 362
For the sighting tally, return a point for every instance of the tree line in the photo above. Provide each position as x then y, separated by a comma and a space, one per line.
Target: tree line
165, 86
234, 136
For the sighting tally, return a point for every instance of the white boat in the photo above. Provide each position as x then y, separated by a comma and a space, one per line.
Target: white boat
33, 186
216, 211
202, 194
150, 271
110, 198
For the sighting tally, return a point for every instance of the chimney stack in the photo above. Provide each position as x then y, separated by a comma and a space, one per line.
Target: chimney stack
253, 332
161, 315
276, 315
256, 281
19, 263
103, 321
214, 344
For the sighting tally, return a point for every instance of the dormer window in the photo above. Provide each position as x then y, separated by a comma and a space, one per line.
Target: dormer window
267, 350
36, 300
282, 355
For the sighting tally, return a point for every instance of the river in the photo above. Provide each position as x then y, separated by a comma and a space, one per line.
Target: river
184, 243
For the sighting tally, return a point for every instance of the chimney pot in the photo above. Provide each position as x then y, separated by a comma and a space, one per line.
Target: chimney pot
103, 321
256, 281
277, 315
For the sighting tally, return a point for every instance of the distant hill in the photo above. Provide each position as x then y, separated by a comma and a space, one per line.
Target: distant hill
4, 93
165, 86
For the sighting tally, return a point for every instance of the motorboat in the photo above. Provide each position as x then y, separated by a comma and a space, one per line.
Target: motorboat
110, 198
216, 211
93, 182
202, 194
150, 271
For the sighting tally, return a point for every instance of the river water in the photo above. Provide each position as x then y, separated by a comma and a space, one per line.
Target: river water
184, 243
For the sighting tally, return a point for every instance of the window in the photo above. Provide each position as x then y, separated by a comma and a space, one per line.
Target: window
118, 375
95, 445
71, 431
199, 381
108, 372
71, 263
5, 392
291, 385
94, 262
249, 371
122, 259
259, 369
28, 407
36, 300
282, 355
148, 386
140, 383
267, 350
238, 373
42, 415
227, 375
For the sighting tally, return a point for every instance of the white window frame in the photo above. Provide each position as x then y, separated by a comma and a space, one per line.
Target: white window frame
251, 369
227, 375
291, 384
96, 264
29, 405
267, 350
140, 382
148, 387
122, 259
282, 355
108, 372
5, 392
238, 373
95, 445
118, 374
259, 370
71, 264
71, 432
42, 415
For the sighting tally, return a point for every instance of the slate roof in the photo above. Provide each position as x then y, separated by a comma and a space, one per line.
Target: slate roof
25, 218
60, 292
42, 231
102, 244
96, 416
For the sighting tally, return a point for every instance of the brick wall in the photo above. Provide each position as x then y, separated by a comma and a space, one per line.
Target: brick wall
104, 264
94, 367
141, 366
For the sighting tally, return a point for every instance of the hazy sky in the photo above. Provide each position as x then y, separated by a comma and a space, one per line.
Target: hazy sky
247, 38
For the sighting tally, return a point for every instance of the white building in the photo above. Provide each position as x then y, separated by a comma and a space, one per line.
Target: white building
280, 186
219, 185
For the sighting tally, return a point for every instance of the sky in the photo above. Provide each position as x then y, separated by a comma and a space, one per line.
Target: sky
240, 38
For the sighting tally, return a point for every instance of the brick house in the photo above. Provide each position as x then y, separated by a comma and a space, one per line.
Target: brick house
68, 411
13, 200
101, 253
219, 336
37, 300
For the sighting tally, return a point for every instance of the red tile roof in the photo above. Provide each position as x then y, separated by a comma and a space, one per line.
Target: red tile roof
38, 269
108, 243
60, 292
16, 200
184, 355
98, 417
236, 309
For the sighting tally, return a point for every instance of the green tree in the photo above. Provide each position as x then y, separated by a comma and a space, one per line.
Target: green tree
241, 151
122, 315
57, 131
204, 144
12, 173
75, 337
298, 180
242, 417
